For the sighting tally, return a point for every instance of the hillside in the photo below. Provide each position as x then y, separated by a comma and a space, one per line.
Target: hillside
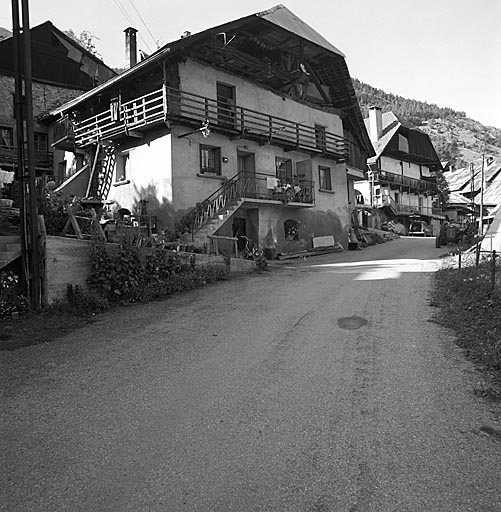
456, 137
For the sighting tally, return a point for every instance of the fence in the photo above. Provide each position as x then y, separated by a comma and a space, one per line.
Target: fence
486, 264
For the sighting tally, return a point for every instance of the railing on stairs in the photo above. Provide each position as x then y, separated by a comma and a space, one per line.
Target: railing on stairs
203, 212
106, 175
249, 185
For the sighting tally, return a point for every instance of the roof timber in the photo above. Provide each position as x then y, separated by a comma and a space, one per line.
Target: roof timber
276, 34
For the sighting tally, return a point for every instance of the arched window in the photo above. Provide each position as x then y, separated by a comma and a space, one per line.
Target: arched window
291, 229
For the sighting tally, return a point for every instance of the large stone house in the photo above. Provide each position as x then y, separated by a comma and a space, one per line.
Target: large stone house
250, 128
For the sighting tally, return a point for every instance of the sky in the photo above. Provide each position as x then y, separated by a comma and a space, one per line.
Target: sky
446, 52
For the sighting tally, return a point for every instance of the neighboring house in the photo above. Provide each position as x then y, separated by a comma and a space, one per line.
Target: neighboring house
61, 70
467, 184
402, 175
250, 128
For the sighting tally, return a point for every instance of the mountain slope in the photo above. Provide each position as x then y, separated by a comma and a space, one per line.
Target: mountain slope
456, 137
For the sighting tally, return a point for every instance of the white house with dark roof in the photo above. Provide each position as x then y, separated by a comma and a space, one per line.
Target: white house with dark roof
401, 175
250, 128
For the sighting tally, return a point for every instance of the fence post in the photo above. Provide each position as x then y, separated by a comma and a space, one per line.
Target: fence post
459, 260
477, 256
493, 270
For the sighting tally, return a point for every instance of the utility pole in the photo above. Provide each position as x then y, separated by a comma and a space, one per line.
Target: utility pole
481, 230
26, 151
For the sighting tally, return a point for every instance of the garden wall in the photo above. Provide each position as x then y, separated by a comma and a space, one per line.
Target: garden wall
68, 261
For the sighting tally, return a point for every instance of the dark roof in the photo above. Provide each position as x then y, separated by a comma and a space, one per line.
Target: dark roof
421, 149
276, 28
57, 58
282, 17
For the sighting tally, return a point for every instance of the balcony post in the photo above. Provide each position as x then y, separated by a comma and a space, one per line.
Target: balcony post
164, 101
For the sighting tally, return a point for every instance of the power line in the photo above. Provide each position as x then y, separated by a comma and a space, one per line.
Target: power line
130, 21
144, 23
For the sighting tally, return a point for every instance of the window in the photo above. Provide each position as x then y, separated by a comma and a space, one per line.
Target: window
6, 137
320, 139
283, 168
291, 229
41, 142
122, 167
325, 177
210, 160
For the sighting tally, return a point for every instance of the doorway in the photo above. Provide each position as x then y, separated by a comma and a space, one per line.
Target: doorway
239, 230
226, 101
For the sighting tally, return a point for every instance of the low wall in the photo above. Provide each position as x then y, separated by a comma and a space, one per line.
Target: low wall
68, 261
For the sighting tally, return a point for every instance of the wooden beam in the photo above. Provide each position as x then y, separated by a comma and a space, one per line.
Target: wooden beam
317, 83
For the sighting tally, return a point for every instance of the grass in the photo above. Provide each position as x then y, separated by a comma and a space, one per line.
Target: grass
36, 328
468, 301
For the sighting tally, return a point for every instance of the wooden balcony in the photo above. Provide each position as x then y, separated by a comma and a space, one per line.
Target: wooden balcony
393, 179
132, 118
43, 159
402, 209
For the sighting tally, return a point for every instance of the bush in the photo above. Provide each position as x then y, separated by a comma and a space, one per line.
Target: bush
134, 274
11, 298
52, 206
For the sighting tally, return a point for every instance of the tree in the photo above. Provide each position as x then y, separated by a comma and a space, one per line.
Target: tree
85, 40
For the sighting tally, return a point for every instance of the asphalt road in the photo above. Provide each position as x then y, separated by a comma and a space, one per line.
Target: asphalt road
321, 386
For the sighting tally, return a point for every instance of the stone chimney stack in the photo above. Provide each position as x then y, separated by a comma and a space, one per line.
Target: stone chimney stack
375, 123
130, 47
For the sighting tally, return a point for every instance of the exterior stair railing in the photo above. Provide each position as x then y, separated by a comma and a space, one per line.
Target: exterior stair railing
248, 185
206, 210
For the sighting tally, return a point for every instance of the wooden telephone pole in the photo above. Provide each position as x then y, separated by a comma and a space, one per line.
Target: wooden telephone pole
26, 151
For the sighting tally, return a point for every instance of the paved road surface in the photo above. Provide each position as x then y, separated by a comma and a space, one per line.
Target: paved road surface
319, 386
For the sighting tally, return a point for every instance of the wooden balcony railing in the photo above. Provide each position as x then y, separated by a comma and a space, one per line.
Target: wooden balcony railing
405, 181
43, 159
402, 209
195, 110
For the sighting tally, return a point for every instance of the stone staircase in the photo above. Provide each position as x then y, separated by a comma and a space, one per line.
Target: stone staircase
201, 237
10, 249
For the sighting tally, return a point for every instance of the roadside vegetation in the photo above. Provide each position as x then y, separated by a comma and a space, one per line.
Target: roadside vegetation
468, 301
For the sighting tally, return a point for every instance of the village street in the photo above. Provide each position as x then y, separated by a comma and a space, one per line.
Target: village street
321, 385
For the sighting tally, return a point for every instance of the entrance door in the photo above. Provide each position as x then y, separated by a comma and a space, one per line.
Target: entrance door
247, 166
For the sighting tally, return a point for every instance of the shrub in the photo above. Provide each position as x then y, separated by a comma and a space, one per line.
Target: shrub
11, 299
135, 274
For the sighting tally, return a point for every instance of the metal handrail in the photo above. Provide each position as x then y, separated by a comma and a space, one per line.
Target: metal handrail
247, 186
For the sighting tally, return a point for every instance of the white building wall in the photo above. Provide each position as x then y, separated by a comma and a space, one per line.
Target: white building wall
148, 176
199, 79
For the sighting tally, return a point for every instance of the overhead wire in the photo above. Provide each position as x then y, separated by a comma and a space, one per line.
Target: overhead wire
129, 19
155, 41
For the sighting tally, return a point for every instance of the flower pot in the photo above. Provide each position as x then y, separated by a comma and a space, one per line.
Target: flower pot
270, 254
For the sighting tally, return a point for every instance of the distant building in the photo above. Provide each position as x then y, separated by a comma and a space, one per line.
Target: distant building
61, 70
401, 180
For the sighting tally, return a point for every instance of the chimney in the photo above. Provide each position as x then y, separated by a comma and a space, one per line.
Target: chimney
375, 123
130, 47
